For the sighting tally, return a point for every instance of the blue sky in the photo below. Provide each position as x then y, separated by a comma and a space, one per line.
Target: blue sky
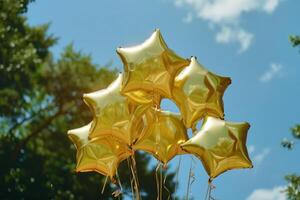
244, 39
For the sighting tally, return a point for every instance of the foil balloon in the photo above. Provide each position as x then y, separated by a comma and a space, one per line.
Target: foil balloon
163, 133
198, 92
149, 69
220, 145
102, 154
126, 115
114, 114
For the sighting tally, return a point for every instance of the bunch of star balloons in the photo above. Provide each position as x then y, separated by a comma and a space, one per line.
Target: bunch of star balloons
127, 116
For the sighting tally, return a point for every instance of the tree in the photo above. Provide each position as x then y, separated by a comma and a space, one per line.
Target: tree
41, 98
23, 49
295, 40
296, 134
293, 189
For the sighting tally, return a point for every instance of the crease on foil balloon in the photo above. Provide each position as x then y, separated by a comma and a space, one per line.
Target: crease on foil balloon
220, 145
114, 114
198, 93
162, 136
102, 154
127, 116
149, 68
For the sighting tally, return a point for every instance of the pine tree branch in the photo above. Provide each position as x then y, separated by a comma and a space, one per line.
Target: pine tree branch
34, 133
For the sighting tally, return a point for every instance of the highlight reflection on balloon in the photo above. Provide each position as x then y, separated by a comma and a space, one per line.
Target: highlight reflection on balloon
114, 114
149, 68
102, 154
220, 145
198, 92
164, 132
126, 115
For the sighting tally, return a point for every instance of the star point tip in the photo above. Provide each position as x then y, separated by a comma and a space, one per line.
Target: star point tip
247, 125
193, 59
87, 97
118, 49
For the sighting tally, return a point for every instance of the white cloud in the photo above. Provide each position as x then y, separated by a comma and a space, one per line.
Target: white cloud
228, 35
271, 5
227, 13
259, 157
188, 18
251, 149
275, 69
275, 193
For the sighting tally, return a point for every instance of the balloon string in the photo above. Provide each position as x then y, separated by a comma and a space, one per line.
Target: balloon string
155, 99
131, 179
135, 170
119, 191
210, 187
207, 191
191, 179
135, 177
158, 179
188, 185
165, 186
134, 180
103, 187
161, 181
177, 175
119, 181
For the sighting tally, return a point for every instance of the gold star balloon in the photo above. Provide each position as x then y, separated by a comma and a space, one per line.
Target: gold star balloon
102, 154
198, 92
220, 145
162, 135
127, 115
149, 70
114, 114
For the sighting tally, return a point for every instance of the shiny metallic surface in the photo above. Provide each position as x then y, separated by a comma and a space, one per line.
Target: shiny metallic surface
198, 92
114, 114
163, 133
149, 68
220, 145
102, 154
127, 115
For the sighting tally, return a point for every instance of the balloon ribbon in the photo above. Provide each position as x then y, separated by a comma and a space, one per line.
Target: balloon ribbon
158, 178
103, 187
131, 179
135, 176
210, 187
177, 174
191, 179
165, 186
119, 191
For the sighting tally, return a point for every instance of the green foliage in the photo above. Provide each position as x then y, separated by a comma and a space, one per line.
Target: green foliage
296, 131
41, 99
293, 189
287, 144
23, 50
295, 40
